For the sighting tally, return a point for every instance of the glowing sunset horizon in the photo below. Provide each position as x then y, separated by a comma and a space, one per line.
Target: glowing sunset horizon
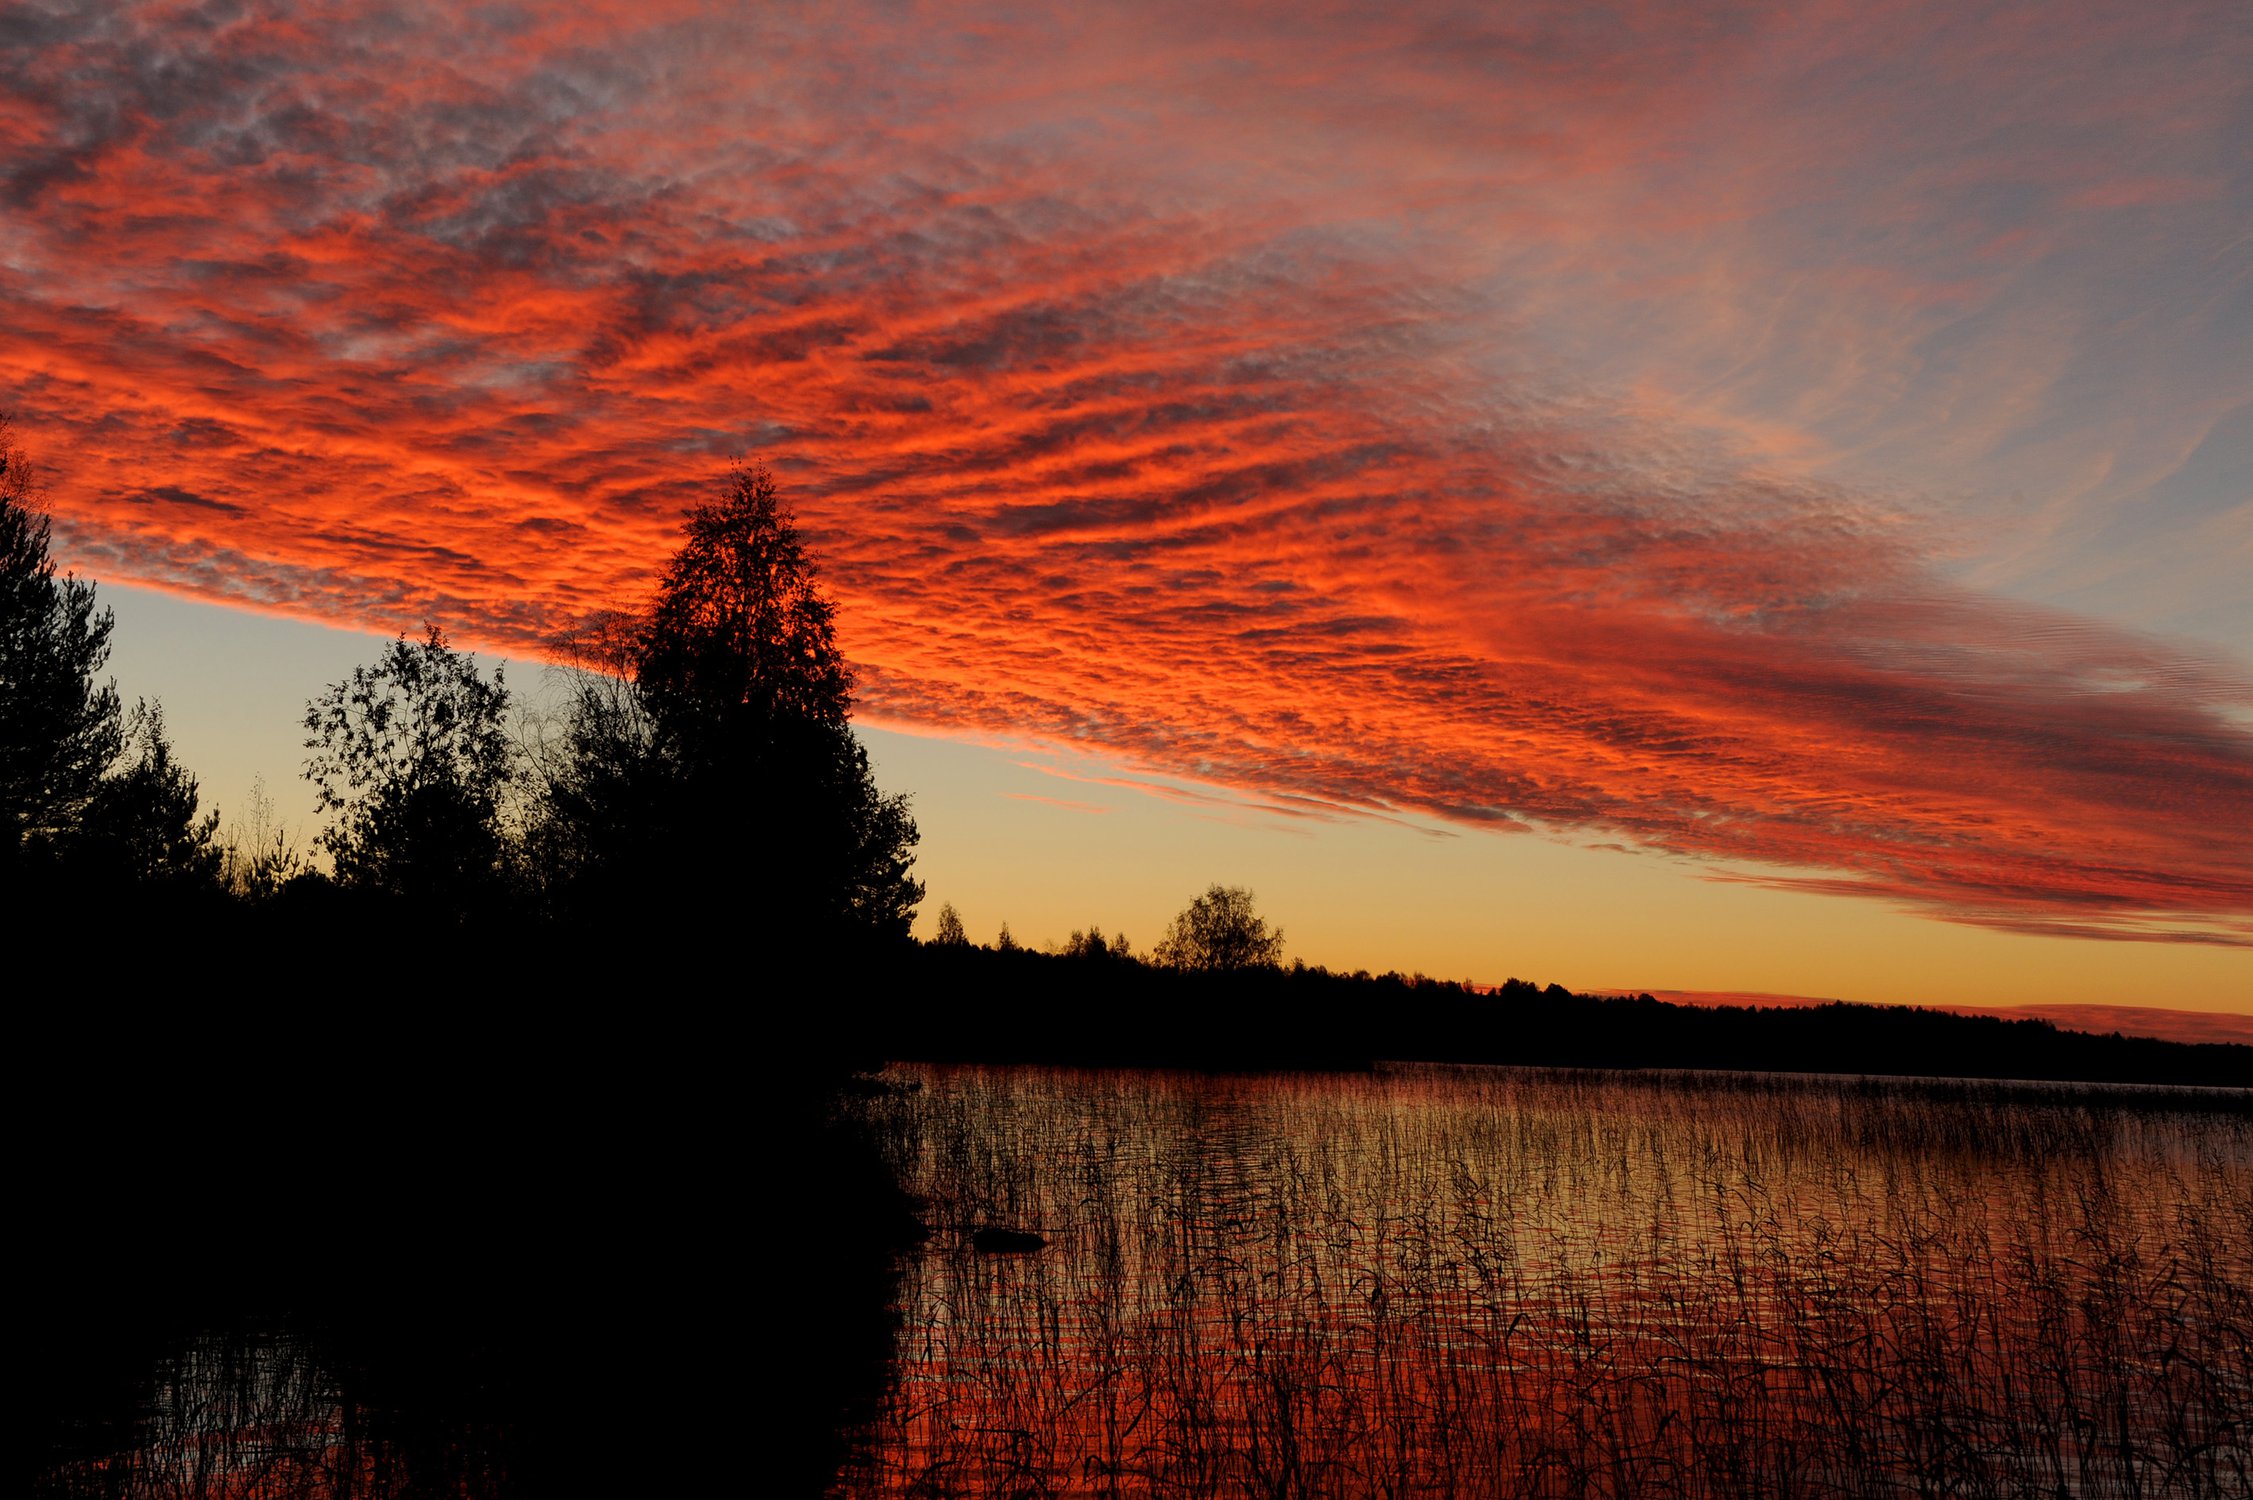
1779, 452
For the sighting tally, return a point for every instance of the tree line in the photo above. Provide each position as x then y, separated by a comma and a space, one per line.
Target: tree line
1218, 932
703, 774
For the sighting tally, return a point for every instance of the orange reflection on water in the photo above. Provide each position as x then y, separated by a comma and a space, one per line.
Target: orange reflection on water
1503, 1282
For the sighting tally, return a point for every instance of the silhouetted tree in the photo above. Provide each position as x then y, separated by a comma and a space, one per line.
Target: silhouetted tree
1092, 944
260, 854
412, 760
951, 933
741, 642
598, 835
1220, 931
142, 827
1007, 942
707, 764
59, 728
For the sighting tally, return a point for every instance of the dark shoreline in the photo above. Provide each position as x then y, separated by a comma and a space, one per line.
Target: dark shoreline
974, 1004
497, 1270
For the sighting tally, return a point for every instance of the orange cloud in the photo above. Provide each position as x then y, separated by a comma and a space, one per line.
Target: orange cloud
1149, 389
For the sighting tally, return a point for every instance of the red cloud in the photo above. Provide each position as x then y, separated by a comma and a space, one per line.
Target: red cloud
1120, 447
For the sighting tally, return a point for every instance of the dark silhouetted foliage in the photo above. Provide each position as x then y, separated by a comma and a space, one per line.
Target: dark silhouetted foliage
59, 728
412, 759
951, 931
142, 826
1220, 932
707, 766
260, 854
986, 1005
599, 830
1094, 946
741, 643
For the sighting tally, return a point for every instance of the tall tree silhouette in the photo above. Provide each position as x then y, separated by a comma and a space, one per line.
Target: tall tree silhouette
741, 641
708, 767
59, 728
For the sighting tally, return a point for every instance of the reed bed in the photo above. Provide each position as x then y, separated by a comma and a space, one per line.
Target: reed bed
1432, 1282
245, 1415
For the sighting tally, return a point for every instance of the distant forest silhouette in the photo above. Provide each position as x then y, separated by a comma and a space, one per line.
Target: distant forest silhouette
703, 798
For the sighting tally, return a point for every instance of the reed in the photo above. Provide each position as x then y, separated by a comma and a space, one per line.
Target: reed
1511, 1282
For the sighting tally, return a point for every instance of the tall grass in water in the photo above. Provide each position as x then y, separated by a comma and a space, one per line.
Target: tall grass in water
1442, 1282
255, 1413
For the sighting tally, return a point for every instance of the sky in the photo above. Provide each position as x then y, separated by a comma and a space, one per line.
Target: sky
1694, 496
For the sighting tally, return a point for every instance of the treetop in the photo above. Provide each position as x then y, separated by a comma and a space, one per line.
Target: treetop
740, 625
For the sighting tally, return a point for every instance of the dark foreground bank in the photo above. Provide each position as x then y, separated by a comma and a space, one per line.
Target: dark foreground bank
400, 1252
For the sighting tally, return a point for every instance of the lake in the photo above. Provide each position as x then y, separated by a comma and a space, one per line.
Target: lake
1509, 1282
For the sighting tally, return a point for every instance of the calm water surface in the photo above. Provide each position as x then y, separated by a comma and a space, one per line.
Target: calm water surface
1499, 1282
